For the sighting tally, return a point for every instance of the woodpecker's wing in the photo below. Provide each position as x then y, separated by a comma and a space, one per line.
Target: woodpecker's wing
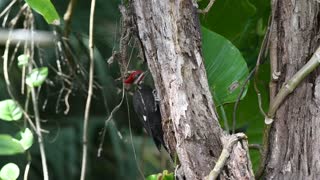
149, 114
143, 104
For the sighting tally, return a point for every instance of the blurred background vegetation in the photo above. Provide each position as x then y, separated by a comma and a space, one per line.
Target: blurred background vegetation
243, 22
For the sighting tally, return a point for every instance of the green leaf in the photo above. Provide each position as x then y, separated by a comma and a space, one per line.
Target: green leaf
153, 177
46, 9
37, 76
167, 176
26, 140
226, 68
9, 110
9, 145
228, 17
164, 176
9, 171
23, 60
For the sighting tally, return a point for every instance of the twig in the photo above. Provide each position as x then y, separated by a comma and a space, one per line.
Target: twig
8, 8
256, 147
36, 110
66, 101
263, 49
14, 21
26, 170
207, 9
90, 88
123, 51
43, 38
254, 71
8, 83
226, 151
235, 107
115, 109
67, 17
5, 19
131, 138
273, 67
225, 120
292, 84
40, 138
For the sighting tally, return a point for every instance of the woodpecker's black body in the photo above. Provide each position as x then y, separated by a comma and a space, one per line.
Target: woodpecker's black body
148, 111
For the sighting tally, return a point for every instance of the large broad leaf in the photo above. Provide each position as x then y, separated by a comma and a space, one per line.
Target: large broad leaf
37, 76
226, 68
9, 171
9, 145
228, 17
46, 9
10, 111
243, 22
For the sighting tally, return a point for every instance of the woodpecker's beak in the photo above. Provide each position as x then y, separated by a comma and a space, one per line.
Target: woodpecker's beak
139, 79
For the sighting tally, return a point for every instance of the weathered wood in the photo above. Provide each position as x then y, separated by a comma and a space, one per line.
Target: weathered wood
295, 137
171, 42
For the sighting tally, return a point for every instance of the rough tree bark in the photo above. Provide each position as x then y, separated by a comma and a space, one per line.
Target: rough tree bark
294, 151
169, 34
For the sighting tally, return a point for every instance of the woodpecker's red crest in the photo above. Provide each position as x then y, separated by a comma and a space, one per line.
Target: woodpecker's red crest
135, 77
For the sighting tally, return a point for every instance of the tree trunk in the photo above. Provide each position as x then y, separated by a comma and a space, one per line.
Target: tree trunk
169, 34
294, 151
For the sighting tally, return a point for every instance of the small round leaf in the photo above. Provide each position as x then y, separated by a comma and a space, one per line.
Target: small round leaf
37, 76
9, 110
9, 171
26, 140
23, 60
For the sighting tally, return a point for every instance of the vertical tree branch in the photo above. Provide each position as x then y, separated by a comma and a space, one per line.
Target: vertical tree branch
38, 126
90, 89
292, 143
34, 98
68, 15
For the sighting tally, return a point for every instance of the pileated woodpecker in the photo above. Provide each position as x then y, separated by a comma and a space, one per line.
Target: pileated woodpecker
146, 106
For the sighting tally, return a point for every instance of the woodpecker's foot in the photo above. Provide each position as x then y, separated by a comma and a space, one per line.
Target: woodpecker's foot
156, 95
156, 99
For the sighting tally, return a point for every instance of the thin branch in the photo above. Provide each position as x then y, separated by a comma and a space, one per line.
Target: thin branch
123, 64
226, 151
26, 170
292, 84
68, 15
235, 107
207, 9
131, 138
256, 147
254, 71
263, 49
8, 83
36, 110
40, 138
7, 8
43, 38
115, 109
225, 119
90, 89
